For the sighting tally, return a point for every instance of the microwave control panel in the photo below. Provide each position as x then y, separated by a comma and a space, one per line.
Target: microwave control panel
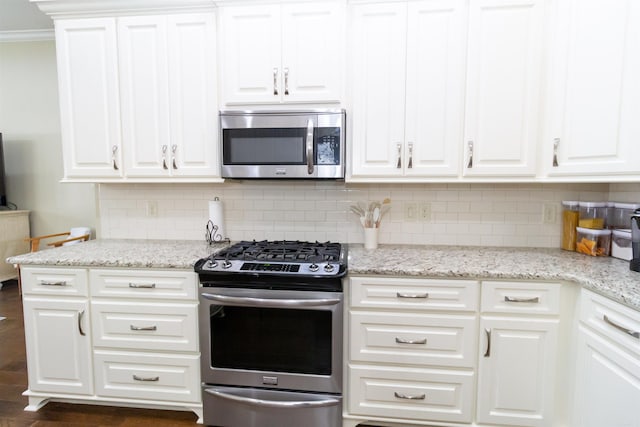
327, 145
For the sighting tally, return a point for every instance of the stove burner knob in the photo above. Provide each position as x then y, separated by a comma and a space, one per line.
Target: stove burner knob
329, 268
226, 264
313, 267
212, 263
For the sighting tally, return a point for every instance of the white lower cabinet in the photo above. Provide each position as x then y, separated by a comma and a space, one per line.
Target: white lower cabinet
608, 364
468, 352
133, 332
518, 352
58, 345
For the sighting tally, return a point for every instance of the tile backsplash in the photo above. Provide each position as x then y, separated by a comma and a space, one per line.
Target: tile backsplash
456, 214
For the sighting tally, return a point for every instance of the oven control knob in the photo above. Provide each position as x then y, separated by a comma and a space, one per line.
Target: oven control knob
329, 268
212, 263
226, 264
313, 267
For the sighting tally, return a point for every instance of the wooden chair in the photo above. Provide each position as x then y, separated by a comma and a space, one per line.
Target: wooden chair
35, 241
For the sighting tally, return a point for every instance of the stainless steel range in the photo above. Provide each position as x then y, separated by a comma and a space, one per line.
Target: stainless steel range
271, 334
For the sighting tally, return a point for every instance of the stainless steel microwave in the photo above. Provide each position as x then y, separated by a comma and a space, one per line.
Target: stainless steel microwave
283, 144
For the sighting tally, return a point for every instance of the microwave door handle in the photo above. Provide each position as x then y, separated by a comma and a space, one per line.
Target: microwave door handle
310, 147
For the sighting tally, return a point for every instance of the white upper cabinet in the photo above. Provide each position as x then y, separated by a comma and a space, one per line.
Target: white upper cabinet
89, 103
407, 82
592, 125
280, 53
168, 85
504, 71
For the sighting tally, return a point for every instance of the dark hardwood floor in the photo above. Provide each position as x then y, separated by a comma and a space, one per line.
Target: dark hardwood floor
13, 381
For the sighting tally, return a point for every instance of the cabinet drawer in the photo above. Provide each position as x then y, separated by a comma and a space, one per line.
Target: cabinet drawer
416, 394
54, 281
520, 297
414, 294
145, 326
144, 283
147, 376
419, 339
617, 322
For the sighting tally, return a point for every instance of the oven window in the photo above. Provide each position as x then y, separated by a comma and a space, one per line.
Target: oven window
281, 146
271, 339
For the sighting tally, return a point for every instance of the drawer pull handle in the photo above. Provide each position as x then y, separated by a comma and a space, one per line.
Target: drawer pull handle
63, 283
631, 332
403, 295
143, 328
145, 286
534, 300
409, 397
487, 353
137, 378
403, 341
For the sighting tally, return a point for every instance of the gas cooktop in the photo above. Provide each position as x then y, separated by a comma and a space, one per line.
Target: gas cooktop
282, 257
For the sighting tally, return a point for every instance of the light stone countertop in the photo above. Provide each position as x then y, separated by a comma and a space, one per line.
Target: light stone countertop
123, 253
606, 275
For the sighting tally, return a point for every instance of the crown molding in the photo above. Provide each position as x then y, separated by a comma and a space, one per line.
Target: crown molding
75, 8
27, 35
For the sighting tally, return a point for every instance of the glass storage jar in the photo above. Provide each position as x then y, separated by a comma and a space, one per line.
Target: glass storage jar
570, 217
593, 215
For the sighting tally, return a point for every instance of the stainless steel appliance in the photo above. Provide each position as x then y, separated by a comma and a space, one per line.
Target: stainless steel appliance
634, 264
283, 144
271, 334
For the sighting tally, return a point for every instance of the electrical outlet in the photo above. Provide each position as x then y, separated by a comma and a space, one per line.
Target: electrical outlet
424, 212
152, 208
410, 211
549, 213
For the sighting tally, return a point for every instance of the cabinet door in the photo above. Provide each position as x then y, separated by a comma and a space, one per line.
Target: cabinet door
58, 345
193, 95
250, 60
142, 50
503, 87
313, 51
89, 101
436, 48
608, 384
378, 84
594, 89
516, 371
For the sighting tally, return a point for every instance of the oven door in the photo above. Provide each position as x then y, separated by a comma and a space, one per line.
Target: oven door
282, 145
290, 340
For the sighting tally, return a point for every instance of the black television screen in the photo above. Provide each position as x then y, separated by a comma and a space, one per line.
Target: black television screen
3, 192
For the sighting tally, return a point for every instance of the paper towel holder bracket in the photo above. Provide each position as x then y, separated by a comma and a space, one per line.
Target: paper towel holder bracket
212, 236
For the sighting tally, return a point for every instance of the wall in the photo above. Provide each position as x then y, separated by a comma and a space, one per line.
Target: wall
461, 214
29, 122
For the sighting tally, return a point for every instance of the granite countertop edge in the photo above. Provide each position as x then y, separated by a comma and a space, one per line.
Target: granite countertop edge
608, 276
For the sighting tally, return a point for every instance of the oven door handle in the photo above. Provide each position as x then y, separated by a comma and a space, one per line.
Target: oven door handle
268, 302
274, 403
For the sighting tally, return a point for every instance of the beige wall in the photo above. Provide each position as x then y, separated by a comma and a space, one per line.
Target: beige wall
29, 122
